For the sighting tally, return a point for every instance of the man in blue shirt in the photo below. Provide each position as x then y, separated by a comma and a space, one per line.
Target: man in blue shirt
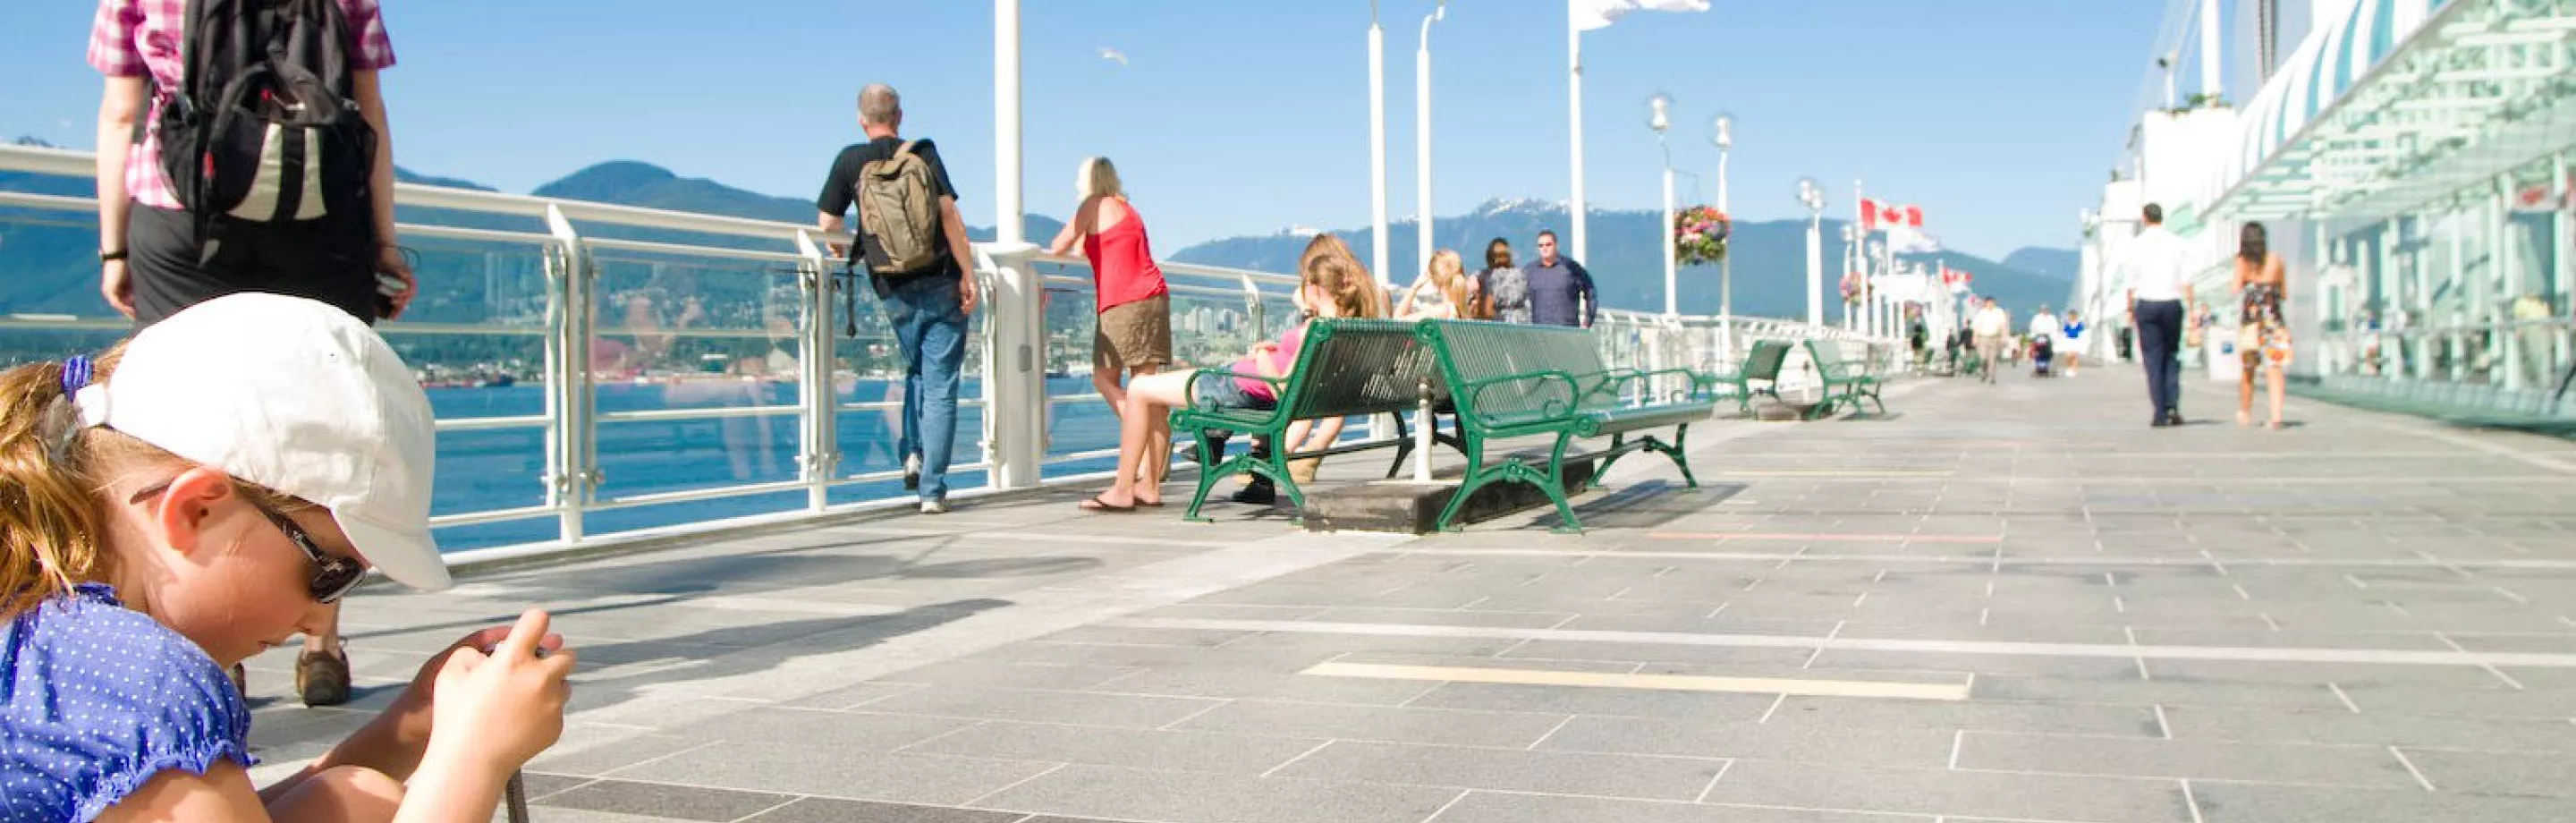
1560, 291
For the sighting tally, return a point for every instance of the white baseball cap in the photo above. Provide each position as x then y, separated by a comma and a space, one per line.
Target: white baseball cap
296, 396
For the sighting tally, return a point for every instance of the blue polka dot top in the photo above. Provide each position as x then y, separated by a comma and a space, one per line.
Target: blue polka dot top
96, 699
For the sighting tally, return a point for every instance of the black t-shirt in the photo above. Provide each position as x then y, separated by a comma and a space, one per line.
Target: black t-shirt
840, 190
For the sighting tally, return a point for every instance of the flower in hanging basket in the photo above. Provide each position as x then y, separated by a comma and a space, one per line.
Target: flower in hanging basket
1851, 287
1699, 235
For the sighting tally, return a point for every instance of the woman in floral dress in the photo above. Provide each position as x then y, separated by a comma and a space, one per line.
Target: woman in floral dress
2263, 336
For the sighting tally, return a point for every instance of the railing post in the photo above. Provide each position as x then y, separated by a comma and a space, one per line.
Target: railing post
819, 440
1015, 394
570, 476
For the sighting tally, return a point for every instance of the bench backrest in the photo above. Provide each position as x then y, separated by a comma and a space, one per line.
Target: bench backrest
1477, 352
1764, 362
1353, 366
1831, 362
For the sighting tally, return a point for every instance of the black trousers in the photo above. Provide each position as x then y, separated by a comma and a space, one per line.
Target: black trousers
330, 260
2159, 340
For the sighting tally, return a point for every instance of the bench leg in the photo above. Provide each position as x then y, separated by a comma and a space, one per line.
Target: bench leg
1554, 485
1618, 444
1674, 450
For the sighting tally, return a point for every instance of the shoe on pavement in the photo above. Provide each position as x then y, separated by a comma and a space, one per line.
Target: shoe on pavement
912, 472
1259, 492
934, 507
323, 678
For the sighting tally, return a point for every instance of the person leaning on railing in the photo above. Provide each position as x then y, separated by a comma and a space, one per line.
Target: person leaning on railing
1132, 335
196, 496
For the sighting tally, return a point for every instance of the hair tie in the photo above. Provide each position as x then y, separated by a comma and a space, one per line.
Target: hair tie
76, 374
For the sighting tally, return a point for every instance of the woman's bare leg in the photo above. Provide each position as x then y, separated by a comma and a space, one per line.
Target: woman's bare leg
2245, 398
1147, 397
2280, 388
1158, 444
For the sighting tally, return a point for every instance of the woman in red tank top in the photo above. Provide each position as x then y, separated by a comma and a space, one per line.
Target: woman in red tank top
1133, 337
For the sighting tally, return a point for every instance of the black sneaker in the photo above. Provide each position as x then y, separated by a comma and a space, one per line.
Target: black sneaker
2173, 417
912, 472
1259, 492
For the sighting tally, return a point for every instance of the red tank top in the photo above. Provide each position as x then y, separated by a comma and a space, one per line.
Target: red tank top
1122, 262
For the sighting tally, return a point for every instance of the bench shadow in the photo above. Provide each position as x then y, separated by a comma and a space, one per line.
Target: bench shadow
1643, 505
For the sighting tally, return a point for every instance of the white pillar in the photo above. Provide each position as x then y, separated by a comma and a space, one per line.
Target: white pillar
1816, 271
1725, 271
1422, 147
1574, 107
1377, 147
2210, 29
1672, 259
1014, 383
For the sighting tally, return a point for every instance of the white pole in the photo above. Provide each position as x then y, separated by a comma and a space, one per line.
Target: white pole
1008, 204
2209, 41
1574, 108
1816, 270
1725, 269
1422, 143
1672, 258
1377, 148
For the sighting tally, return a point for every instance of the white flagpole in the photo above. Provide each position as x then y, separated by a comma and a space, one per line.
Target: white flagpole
1379, 241
1574, 108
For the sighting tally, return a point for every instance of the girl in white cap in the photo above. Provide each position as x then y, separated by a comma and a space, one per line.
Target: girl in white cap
200, 494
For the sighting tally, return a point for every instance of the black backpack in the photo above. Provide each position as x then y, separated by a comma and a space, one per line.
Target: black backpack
263, 127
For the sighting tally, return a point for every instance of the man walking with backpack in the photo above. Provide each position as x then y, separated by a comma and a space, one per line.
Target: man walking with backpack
282, 182
913, 244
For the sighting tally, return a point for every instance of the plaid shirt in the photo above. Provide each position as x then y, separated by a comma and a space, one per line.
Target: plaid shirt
131, 37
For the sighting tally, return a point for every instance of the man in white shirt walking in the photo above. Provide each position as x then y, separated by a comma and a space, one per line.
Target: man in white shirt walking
2158, 302
1992, 326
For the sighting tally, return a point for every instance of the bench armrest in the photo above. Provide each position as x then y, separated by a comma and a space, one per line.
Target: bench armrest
1469, 397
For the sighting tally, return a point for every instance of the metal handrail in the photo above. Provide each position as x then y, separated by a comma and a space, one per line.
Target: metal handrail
573, 318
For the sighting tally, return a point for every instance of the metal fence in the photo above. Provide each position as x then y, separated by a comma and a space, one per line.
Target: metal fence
605, 373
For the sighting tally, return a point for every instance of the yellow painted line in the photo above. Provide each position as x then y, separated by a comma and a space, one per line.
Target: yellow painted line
1661, 682
1853, 538
1837, 473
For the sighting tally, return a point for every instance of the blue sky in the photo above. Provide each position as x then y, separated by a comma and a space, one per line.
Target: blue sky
2000, 117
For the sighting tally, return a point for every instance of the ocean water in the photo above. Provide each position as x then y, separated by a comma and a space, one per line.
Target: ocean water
481, 471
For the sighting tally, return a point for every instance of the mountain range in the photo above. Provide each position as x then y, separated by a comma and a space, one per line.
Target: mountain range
53, 268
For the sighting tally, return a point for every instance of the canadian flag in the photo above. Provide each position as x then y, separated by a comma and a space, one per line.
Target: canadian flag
1875, 216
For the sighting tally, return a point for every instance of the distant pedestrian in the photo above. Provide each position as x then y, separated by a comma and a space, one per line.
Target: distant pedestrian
1132, 335
2263, 334
1560, 290
1993, 330
2071, 336
1500, 290
1440, 293
913, 243
2157, 305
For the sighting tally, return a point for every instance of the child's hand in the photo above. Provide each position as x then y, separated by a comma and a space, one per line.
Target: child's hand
503, 707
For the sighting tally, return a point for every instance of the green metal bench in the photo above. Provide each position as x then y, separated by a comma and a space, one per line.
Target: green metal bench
1761, 364
1846, 381
1513, 381
1344, 368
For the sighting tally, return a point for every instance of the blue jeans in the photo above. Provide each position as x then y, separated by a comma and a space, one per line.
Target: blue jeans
930, 329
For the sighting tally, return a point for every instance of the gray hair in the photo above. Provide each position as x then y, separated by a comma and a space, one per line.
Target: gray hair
879, 104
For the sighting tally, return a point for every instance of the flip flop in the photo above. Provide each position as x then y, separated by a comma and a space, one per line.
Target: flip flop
1099, 506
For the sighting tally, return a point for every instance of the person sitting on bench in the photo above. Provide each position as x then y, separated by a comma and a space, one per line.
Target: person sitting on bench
1332, 286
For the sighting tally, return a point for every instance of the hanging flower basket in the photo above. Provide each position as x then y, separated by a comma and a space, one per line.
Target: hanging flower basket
1851, 287
1699, 235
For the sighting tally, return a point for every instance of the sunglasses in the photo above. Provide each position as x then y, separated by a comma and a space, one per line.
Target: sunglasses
333, 576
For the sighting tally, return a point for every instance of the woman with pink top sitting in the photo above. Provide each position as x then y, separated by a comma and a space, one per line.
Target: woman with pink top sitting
1332, 287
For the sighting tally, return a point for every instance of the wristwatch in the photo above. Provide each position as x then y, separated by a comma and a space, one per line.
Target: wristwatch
111, 256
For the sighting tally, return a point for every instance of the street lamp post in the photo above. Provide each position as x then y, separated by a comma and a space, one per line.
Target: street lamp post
1377, 146
1813, 197
1851, 263
1422, 134
1659, 118
1722, 133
